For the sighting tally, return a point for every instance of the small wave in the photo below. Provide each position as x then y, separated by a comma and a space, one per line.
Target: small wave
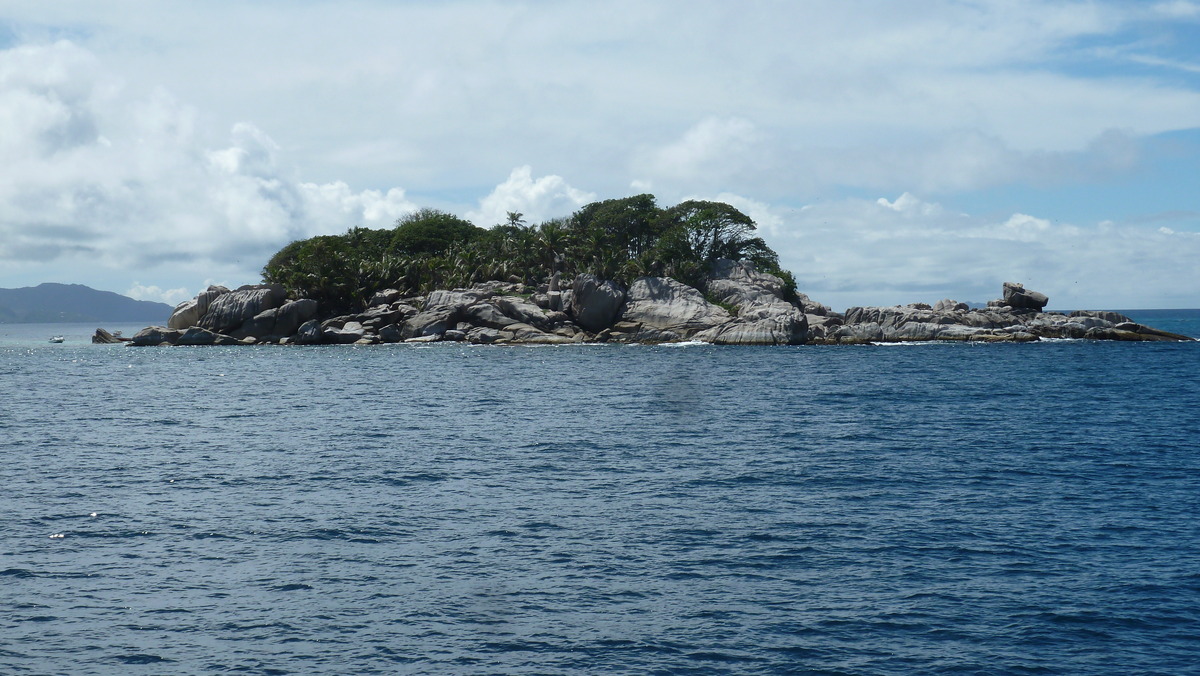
687, 343
19, 573
213, 536
142, 658
296, 586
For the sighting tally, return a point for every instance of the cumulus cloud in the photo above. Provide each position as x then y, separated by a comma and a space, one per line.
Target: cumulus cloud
710, 151
536, 199
136, 183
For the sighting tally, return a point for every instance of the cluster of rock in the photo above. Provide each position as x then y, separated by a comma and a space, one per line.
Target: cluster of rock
1017, 317
742, 306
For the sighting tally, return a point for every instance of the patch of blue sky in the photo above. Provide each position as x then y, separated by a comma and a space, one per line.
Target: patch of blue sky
1160, 191
15, 34
1165, 50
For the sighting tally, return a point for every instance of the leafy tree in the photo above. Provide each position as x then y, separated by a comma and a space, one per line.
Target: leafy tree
431, 232
629, 225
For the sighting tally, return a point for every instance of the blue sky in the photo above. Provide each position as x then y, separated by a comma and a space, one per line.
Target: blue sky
892, 151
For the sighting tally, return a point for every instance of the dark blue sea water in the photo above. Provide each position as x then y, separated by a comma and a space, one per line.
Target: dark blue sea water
599, 509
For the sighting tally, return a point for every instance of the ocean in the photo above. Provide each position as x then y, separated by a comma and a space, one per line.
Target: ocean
443, 508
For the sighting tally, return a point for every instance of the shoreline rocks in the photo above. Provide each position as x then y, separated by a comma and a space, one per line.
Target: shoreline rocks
738, 305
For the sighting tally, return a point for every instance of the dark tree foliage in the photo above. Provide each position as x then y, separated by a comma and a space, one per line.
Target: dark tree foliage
432, 233
619, 239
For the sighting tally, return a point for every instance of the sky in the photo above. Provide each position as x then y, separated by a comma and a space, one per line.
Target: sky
891, 151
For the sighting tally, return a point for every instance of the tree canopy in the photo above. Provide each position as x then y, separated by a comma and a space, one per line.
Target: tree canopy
618, 239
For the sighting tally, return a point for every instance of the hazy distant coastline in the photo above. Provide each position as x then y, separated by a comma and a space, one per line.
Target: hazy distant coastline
53, 303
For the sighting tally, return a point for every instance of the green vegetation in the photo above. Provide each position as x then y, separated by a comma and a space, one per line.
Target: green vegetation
619, 239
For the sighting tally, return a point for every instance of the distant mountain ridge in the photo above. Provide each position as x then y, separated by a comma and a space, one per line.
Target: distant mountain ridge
63, 303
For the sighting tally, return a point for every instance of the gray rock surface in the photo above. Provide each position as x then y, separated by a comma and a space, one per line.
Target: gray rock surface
1018, 297
102, 337
595, 303
229, 311
196, 335
1114, 317
487, 314
385, 297
189, 312
432, 322
456, 297
156, 335
483, 335
348, 333
284, 320
663, 310
522, 310
1012, 319
764, 316
309, 333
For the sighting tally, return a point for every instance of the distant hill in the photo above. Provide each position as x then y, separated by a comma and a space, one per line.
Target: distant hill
61, 303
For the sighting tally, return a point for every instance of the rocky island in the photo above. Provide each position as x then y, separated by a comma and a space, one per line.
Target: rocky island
623, 271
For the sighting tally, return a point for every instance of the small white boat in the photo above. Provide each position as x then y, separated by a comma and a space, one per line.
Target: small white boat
57, 339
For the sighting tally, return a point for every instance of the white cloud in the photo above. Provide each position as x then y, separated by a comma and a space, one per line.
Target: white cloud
140, 291
710, 152
536, 199
136, 183
881, 252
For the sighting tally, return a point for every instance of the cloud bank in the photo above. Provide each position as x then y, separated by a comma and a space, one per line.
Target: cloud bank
93, 176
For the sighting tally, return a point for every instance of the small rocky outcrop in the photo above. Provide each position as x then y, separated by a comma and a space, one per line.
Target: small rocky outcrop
1015, 318
102, 337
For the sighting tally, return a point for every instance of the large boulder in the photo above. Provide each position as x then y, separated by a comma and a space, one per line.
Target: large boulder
1114, 317
664, 304
309, 333
189, 312
948, 305
102, 337
488, 315
385, 297
281, 321
197, 336
229, 311
432, 322
764, 316
1018, 297
156, 335
595, 303
789, 328
457, 297
348, 333
524, 333
522, 310
739, 283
